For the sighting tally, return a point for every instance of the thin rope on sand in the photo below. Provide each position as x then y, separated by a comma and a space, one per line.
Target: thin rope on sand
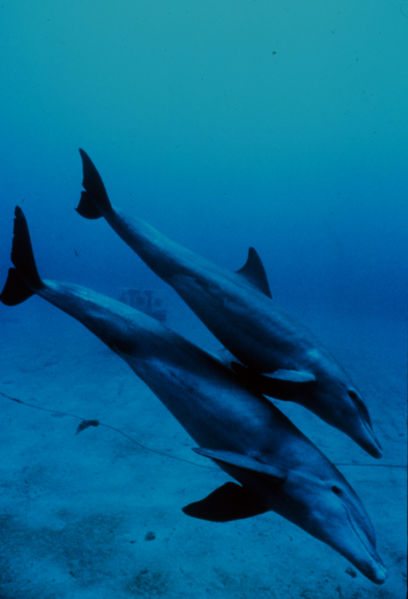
156, 451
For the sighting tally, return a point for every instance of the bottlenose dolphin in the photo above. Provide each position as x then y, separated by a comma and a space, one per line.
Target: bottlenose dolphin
276, 466
277, 356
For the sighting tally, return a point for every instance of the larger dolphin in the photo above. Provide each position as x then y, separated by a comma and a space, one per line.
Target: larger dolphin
277, 467
278, 356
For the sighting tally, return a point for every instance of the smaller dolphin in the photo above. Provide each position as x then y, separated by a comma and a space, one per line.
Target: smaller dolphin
276, 355
276, 466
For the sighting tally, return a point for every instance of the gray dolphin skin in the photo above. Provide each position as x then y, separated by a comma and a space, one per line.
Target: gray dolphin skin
277, 356
276, 467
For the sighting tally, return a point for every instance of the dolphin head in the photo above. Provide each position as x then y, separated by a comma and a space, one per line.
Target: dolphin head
343, 407
332, 512
360, 427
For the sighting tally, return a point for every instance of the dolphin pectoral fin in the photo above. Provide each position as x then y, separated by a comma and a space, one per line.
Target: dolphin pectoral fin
240, 460
291, 376
281, 384
229, 502
254, 272
287, 384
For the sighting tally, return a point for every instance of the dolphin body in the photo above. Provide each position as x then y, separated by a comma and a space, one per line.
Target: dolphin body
276, 466
277, 356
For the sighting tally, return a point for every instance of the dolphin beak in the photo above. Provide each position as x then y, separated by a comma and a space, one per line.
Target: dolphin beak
370, 443
379, 573
375, 450
374, 569
369, 562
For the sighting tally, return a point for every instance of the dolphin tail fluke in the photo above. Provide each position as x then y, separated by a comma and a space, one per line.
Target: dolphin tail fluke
23, 280
94, 202
15, 290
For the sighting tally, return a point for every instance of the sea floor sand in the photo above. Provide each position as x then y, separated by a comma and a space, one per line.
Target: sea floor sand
96, 516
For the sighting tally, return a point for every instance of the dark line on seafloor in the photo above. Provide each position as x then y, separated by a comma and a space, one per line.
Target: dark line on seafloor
113, 428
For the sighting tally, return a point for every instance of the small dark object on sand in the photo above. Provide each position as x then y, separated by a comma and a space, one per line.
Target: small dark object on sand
85, 424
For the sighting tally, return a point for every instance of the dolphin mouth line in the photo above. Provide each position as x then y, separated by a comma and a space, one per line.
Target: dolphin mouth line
360, 535
374, 440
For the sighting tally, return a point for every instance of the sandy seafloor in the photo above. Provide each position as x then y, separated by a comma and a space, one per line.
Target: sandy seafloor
95, 516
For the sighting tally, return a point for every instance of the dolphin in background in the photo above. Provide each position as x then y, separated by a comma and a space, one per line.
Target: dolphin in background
276, 467
275, 355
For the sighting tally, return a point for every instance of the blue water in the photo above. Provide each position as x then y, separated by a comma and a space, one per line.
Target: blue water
224, 124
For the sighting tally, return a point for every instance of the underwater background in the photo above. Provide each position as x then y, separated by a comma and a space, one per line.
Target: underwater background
224, 125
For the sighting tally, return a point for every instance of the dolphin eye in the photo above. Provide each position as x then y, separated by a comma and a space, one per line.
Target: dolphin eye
336, 490
353, 395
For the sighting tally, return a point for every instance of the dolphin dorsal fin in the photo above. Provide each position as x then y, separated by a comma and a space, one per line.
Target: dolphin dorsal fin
254, 272
241, 460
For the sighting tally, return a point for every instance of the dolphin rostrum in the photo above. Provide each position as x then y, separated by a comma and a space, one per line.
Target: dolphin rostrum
276, 467
277, 356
